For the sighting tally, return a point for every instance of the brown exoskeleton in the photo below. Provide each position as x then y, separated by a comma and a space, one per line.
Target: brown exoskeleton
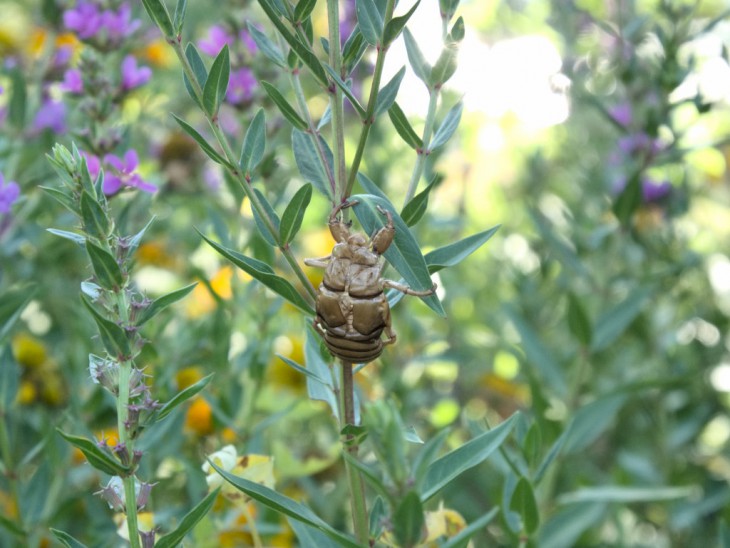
352, 310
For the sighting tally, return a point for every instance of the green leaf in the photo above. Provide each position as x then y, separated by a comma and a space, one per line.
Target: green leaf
302, 50
346, 90
217, 83
12, 303
266, 46
404, 253
552, 454
442, 471
453, 254
320, 385
254, 143
309, 164
532, 444
264, 274
404, 128
112, 336
388, 93
458, 30
291, 220
395, 26
183, 396
157, 11
524, 503
61, 197
566, 526
178, 19
427, 455
261, 225
95, 220
309, 536
17, 106
107, 270
537, 354
191, 519
591, 421
284, 107
624, 495
207, 148
463, 536
370, 21
415, 209
628, 201
97, 457
135, 240
611, 324
163, 302
201, 73
445, 66
66, 539
284, 505
418, 62
370, 187
447, 127
578, 321
724, 535
408, 520
76, 238
9, 378
304, 10
353, 50
303, 370
378, 515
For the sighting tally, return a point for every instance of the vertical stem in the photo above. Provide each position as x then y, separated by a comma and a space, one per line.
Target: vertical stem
357, 488
338, 112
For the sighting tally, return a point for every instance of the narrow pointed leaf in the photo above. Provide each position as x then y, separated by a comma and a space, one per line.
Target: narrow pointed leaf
201, 73
304, 10
302, 50
523, 502
95, 220
285, 108
190, 520
395, 26
76, 238
475, 451
388, 93
291, 220
445, 66
157, 11
266, 46
463, 536
578, 321
67, 540
207, 148
264, 274
370, 21
61, 197
286, 506
178, 19
447, 127
106, 269
12, 304
254, 143
418, 62
415, 209
613, 322
369, 186
163, 302
453, 254
303, 370
404, 253
625, 494
316, 390
217, 82
404, 128
183, 396
261, 225
353, 50
408, 520
112, 336
628, 201
346, 90
97, 457
135, 240
309, 162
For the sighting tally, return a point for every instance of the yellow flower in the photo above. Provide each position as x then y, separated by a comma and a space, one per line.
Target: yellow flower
29, 351
280, 373
201, 301
188, 376
145, 523
158, 53
27, 393
153, 253
443, 523
199, 417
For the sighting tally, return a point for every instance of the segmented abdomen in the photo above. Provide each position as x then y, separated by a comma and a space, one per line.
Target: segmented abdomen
352, 350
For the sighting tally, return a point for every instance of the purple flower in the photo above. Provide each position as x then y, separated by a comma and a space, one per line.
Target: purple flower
8, 194
217, 38
248, 41
72, 81
638, 142
621, 114
62, 56
124, 173
240, 86
118, 24
653, 192
132, 75
51, 115
84, 19
93, 164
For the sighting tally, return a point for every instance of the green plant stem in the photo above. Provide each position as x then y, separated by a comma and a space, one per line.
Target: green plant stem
241, 177
125, 372
370, 109
10, 473
338, 111
433, 95
357, 487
